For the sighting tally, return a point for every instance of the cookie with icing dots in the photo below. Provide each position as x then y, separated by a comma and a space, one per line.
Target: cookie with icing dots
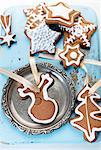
60, 13
71, 56
43, 39
88, 112
8, 38
42, 109
81, 32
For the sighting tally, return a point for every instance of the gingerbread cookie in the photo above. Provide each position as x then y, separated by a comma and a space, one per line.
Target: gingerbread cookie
35, 16
71, 56
42, 39
89, 114
81, 32
8, 38
61, 14
42, 109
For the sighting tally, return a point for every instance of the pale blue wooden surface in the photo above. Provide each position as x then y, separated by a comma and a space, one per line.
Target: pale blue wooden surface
9, 58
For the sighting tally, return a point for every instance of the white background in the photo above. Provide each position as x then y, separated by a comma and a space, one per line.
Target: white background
4, 4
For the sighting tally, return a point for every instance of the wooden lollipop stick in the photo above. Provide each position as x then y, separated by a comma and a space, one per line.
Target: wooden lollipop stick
18, 78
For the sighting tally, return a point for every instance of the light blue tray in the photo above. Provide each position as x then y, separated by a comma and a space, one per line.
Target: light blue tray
9, 58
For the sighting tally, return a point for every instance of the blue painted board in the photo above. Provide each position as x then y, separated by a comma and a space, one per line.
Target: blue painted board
17, 56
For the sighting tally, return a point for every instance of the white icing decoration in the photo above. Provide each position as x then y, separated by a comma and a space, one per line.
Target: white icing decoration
79, 31
45, 95
61, 13
8, 38
68, 48
90, 137
42, 38
73, 55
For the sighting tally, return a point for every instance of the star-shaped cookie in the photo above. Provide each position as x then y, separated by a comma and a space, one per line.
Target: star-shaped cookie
8, 38
81, 32
60, 13
71, 56
42, 39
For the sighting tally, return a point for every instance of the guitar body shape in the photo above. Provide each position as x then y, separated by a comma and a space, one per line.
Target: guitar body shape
42, 109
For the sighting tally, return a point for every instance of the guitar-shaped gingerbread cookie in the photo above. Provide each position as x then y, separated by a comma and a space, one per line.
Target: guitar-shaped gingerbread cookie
42, 109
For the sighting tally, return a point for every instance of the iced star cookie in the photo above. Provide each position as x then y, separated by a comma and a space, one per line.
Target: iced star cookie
42, 109
71, 56
8, 38
61, 14
42, 39
81, 32
88, 112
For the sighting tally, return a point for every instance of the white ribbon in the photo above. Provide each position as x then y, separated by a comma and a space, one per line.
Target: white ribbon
18, 78
34, 69
95, 87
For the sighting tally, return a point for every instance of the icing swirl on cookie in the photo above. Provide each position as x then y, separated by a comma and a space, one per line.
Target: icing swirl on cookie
89, 114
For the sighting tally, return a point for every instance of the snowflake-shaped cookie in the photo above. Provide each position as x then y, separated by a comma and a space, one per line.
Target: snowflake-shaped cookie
81, 31
35, 16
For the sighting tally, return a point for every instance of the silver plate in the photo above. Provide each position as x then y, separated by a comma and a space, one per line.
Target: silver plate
16, 109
